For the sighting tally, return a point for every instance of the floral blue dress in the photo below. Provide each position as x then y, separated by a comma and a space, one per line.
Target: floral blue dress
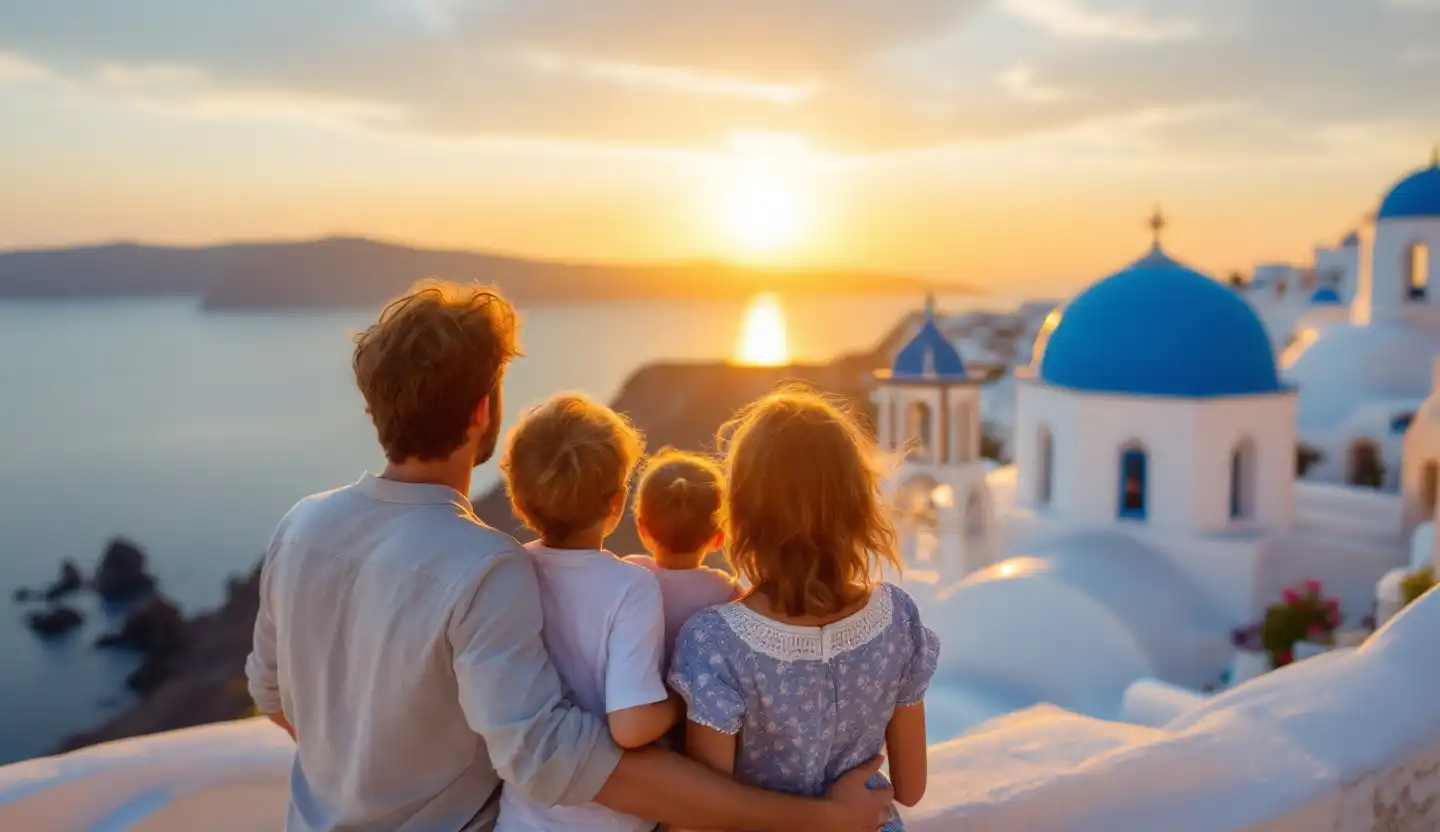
809, 703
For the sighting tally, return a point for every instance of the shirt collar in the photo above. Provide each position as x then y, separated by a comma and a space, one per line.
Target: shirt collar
410, 493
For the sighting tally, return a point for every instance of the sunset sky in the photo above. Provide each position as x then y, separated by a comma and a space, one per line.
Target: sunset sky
1014, 143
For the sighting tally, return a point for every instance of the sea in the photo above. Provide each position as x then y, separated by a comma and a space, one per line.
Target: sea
192, 432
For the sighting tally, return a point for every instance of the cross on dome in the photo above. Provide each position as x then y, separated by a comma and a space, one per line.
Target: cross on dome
1157, 224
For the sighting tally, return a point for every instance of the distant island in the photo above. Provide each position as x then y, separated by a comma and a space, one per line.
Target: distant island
346, 272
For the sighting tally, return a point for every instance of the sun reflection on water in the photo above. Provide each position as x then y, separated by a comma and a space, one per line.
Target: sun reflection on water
763, 341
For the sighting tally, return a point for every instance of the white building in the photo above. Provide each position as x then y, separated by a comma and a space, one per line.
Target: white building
928, 421
1153, 506
1361, 382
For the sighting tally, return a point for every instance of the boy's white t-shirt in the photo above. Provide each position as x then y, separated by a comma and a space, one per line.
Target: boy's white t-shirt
605, 633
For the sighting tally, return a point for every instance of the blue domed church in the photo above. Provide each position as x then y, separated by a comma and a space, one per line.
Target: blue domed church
1152, 506
928, 422
1154, 408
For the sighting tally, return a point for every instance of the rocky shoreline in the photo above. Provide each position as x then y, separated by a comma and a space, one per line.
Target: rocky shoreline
194, 668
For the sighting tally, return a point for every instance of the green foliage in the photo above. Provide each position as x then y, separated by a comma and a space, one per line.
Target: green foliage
1306, 456
1415, 584
1304, 613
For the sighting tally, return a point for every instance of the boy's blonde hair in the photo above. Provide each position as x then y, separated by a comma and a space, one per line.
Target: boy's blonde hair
566, 463
678, 500
429, 360
803, 514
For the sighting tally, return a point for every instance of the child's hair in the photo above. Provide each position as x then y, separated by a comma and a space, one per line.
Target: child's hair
566, 463
678, 500
803, 513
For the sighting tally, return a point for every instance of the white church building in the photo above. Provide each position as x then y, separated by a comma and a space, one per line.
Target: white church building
1152, 507
1362, 373
928, 420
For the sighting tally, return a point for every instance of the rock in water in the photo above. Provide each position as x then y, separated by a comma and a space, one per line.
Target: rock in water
22, 594
122, 572
68, 582
55, 621
155, 627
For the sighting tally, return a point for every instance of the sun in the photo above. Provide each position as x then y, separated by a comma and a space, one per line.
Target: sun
763, 340
763, 216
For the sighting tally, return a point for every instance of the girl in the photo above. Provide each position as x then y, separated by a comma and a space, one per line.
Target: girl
820, 666
677, 512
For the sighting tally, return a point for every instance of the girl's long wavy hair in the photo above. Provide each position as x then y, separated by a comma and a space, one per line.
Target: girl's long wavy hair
803, 513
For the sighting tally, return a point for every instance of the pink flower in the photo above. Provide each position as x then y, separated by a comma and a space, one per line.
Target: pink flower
1290, 596
1282, 658
1332, 604
1316, 628
1332, 619
1313, 586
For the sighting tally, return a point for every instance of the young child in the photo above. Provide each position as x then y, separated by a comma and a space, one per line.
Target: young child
677, 512
567, 466
820, 667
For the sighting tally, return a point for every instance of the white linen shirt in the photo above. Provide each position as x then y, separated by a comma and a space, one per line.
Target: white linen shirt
400, 636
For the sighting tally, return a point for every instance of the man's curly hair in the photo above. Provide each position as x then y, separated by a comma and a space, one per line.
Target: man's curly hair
425, 365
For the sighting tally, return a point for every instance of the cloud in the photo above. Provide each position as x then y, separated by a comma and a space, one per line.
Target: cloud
679, 79
1020, 81
851, 76
16, 69
1072, 18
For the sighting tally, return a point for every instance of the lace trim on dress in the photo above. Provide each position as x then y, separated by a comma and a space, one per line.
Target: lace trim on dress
790, 643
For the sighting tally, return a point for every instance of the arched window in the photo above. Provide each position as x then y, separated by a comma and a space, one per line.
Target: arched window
920, 431
1133, 482
1429, 489
1366, 468
1045, 451
1417, 271
1242, 480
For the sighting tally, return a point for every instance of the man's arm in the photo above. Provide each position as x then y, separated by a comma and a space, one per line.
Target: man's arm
662, 785
261, 668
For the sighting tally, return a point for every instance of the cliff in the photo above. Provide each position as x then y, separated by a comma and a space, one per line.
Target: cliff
345, 272
674, 404
204, 679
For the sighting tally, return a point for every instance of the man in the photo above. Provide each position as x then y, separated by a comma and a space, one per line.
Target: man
398, 639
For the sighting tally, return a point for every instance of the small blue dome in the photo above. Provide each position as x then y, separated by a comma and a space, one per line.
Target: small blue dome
929, 355
1158, 328
1417, 195
1325, 296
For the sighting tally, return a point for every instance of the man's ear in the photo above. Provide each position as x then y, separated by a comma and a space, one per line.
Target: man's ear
480, 416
